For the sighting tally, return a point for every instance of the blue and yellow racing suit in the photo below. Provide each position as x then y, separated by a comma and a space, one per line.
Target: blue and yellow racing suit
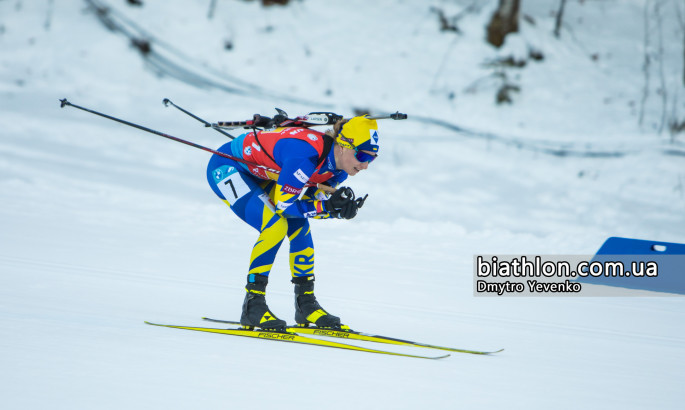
277, 203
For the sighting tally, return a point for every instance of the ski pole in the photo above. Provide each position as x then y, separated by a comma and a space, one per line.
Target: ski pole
167, 101
64, 103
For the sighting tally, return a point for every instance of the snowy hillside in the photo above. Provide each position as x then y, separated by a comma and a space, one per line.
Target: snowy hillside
105, 226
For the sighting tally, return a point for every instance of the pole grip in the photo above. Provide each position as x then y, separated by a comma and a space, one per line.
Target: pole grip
325, 188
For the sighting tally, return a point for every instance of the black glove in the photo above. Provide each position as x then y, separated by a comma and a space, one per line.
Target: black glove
342, 203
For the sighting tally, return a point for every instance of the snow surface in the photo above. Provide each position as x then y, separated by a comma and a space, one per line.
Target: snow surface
104, 226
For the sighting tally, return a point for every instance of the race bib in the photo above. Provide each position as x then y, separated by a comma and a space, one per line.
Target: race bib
230, 183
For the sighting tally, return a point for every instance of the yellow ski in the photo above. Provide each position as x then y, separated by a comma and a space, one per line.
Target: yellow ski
292, 338
351, 334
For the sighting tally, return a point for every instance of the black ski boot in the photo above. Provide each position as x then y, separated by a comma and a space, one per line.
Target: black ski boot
307, 309
255, 311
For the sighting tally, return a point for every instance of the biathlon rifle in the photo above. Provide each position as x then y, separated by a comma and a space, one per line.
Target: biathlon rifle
281, 119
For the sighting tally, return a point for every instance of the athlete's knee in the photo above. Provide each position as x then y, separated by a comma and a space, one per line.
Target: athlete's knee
276, 228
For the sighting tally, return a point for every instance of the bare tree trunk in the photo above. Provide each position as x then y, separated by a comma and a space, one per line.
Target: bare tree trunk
645, 66
662, 78
48, 18
212, 7
504, 21
560, 16
681, 21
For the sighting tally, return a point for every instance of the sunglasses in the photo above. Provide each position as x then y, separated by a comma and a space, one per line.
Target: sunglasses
364, 156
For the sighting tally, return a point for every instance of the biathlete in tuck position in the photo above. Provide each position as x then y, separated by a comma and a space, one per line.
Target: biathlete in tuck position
280, 204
